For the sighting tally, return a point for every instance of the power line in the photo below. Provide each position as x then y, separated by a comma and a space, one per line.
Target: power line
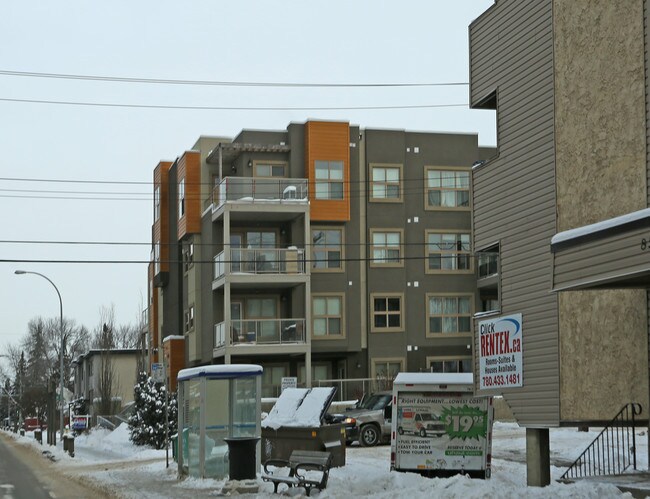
171, 81
231, 108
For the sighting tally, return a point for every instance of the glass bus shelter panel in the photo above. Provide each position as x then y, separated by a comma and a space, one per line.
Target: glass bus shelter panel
192, 427
244, 406
217, 427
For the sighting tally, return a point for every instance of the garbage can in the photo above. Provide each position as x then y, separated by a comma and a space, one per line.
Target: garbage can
174, 442
242, 457
38, 435
68, 444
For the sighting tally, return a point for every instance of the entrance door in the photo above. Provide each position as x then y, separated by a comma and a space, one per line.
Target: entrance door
265, 309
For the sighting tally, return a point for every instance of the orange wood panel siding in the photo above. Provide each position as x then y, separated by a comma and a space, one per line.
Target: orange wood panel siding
153, 316
160, 231
328, 141
189, 169
174, 360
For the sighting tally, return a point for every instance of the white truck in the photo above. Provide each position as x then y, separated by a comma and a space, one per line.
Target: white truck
439, 427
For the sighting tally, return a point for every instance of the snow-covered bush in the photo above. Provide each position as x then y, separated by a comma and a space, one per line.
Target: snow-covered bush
147, 424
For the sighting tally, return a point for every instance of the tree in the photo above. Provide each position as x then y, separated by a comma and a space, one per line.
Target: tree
147, 424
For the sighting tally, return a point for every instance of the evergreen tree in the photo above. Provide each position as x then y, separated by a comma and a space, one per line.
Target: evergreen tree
147, 424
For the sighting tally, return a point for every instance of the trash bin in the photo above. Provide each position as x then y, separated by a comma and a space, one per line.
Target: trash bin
242, 457
68, 444
174, 442
38, 435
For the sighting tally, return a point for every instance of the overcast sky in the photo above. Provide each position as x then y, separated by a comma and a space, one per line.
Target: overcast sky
252, 41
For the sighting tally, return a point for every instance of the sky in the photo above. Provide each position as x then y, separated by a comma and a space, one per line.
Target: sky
87, 171
110, 460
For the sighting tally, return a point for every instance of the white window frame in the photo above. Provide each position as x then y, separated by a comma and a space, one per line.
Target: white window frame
328, 181
448, 255
327, 248
326, 316
469, 315
377, 183
385, 248
458, 187
181, 198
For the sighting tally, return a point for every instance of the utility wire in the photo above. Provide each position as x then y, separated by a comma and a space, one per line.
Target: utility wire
230, 108
170, 81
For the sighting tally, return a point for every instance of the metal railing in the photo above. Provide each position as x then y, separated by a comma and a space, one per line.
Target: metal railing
253, 190
260, 261
612, 451
261, 332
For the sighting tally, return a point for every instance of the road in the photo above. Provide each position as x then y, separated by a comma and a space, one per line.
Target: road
24, 474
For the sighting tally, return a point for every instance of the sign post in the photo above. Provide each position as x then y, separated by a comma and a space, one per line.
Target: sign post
289, 382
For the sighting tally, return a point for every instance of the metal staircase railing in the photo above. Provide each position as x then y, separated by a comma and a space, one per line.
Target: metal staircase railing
612, 451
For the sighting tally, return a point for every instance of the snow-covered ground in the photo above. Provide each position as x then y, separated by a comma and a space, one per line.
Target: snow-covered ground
110, 460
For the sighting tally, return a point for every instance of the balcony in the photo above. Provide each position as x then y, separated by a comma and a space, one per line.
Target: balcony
245, 190
260, 332
259, 261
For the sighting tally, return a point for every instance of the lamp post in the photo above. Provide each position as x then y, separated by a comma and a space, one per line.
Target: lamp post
20, 272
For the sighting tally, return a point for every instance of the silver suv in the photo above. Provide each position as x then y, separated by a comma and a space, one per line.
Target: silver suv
370, 420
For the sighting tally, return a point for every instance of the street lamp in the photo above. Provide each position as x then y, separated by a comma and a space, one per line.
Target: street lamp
20, 272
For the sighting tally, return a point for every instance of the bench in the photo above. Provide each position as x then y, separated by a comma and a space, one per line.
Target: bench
299, 462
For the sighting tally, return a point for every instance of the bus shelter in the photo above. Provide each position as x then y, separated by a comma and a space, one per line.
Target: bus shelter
217, 404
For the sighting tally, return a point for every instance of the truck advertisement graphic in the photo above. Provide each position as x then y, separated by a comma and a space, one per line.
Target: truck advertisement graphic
442, 431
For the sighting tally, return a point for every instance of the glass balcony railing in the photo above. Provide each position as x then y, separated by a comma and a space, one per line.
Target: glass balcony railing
259, 190
261, 332
260, 261
488, 264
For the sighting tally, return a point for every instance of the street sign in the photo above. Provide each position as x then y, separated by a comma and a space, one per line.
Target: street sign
157, 372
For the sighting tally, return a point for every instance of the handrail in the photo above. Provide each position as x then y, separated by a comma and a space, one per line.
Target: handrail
612, 451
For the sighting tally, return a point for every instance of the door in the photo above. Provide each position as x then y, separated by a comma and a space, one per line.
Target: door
238, 333
260, 315
235, 252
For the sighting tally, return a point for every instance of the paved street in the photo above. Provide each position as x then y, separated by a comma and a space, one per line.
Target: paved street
25, 474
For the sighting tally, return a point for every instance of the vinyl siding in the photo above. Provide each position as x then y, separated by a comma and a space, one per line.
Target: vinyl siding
511, 52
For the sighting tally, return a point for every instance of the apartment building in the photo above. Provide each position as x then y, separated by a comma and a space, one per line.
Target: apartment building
560, 211
322, 251
122, 363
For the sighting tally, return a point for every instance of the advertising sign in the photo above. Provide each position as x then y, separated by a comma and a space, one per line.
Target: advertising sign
500, 353
440, 432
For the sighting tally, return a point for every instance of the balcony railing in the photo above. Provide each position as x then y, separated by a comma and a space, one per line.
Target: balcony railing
260, 261
259, 190
261, 332
488, 264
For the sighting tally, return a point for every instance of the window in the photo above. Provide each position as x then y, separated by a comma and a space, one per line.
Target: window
327, 249
181, 198
327, 315
385, 371
329, 179
188, 255
270, 169
386, 248
386, 183
156, 258
156, 203
449, 314
318, 372
447, 188
448, 252
189, 318
387, 313
272, 380
448, 365
488, 262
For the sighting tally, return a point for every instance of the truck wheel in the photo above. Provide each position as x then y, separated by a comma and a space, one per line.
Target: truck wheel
423, 432
369, 436
400, 430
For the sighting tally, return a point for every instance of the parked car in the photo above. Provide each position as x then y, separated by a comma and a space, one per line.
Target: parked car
370, 420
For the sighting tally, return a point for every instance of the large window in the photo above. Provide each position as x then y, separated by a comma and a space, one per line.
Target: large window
327, 315
329, 179
156, 203
272, 379
386, 183
447, 189
449, 365
181, 198
386, 247
449, 314
385, 370
448, 251
387, 313
318, 372
270, 169
327, 249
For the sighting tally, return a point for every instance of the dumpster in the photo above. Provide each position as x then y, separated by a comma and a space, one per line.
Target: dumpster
297, 421
439, 428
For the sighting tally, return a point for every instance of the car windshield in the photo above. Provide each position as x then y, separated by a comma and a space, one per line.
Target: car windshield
426, 417
374, 402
